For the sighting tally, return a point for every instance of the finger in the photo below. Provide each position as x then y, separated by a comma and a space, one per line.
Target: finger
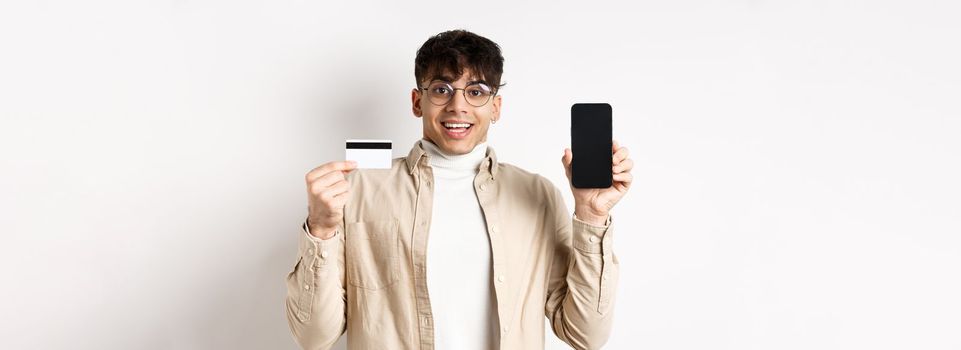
336, 189
625, 178
566, 160
329, 167
340, 200
329, 179
624, 183
622, 186
624, 166
343, 166
614, 145
620, 155
321, 185
340, 187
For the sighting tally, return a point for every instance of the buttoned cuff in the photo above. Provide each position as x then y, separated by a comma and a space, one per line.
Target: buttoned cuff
590, 238
319, 251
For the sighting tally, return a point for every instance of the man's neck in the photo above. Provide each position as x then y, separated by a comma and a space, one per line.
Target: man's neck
468, 161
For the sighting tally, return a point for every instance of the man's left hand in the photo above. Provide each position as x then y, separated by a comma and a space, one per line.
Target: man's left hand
593, 205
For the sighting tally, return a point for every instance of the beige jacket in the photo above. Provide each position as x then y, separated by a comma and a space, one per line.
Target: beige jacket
370, 278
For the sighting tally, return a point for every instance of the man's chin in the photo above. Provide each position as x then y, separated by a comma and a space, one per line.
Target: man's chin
458, 150
457, 147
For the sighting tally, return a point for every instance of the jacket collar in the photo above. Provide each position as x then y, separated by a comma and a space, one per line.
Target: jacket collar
417, 153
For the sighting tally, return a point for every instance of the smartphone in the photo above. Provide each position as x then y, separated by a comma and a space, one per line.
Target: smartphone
591, 146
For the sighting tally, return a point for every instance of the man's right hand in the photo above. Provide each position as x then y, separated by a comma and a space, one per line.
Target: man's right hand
327, 193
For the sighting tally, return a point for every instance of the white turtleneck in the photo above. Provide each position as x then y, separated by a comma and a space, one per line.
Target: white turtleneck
459, 255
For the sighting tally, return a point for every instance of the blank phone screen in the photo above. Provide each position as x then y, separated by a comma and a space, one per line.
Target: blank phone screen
591, 145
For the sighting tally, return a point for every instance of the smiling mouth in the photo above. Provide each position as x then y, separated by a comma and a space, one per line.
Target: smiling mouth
457, 126
457, 130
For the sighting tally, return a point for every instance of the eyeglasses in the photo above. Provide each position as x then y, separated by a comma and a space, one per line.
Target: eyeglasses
440, 93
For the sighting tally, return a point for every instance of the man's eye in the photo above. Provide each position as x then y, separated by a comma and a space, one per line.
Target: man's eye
441, 90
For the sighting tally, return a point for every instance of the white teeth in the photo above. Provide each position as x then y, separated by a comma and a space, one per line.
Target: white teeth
456, 125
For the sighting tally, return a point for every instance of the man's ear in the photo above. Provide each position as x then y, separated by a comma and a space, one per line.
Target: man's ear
415, 103
496, 106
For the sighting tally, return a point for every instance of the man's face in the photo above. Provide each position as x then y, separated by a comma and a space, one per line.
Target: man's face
443, 125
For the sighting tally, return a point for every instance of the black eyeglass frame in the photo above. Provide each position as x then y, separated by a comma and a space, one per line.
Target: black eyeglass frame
463, 92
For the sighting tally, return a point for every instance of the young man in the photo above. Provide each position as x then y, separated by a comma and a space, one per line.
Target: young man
450, 249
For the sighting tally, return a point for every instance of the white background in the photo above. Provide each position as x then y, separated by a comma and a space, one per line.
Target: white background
796, 183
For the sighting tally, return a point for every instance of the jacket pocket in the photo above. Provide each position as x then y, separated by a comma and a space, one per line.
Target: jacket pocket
372, 254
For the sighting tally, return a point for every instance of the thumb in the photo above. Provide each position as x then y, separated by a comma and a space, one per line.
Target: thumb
568, 156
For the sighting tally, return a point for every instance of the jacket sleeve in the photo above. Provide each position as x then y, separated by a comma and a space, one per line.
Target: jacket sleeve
316, 298
583, 280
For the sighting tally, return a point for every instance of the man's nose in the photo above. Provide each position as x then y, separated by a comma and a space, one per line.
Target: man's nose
458, 103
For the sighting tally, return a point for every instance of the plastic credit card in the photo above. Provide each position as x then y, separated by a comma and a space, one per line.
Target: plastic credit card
370, 154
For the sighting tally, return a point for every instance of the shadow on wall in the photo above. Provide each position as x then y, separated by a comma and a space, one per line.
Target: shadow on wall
242, 305
360, 97
354, 105
349, 106
351, 103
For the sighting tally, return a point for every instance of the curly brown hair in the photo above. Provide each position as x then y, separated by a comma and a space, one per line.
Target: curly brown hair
446, 55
